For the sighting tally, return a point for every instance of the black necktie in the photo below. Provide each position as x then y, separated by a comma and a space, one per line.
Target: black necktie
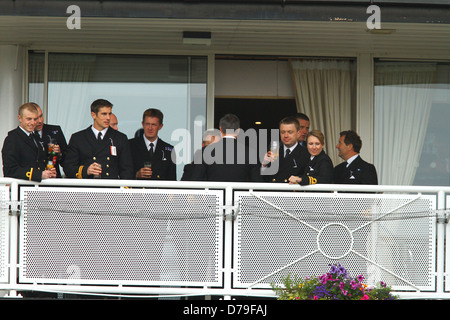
99, 137
288, 152
36, 139
151, 149
32, 138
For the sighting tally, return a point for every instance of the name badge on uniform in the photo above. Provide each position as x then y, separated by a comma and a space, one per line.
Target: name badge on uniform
113, 151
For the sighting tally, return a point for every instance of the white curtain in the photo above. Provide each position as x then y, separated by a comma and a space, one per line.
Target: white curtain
68, 91
402, 107
324, 92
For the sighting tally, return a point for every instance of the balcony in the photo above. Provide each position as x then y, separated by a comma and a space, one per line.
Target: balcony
181, 239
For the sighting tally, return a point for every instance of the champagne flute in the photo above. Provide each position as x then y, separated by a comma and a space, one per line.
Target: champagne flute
274, 149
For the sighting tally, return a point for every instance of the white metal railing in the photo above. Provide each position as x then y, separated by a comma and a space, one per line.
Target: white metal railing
213, 251
4, 232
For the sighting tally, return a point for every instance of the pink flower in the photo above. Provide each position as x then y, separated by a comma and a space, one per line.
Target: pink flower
365, 297
315, 297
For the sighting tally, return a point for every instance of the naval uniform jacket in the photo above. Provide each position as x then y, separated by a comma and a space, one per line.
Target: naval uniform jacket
239, 167
22, 157
358, 172
318, 170
292, 165
55, 132
163, 165
112, 152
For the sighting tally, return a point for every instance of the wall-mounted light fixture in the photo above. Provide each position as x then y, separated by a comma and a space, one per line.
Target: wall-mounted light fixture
381, 31
197, 37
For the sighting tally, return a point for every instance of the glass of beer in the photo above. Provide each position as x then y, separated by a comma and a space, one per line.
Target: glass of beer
51, 143
99, 176
147, 164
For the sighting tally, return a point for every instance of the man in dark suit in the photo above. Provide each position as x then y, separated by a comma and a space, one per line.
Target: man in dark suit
99, 151
292, 159
52, 134
354, 170
303, 121
153, 158
210, 136
229, 159
23, 153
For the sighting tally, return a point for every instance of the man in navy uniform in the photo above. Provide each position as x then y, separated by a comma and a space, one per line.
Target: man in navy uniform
153, 158
48, 132
292, 159
24, 156
99, 151
354, 170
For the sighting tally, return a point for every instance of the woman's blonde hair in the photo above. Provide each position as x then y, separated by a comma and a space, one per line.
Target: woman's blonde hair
316, 133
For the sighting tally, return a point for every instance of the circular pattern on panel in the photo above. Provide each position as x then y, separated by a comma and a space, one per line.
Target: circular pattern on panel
335, 241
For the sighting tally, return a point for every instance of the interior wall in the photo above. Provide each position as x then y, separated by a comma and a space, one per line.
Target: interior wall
253, 78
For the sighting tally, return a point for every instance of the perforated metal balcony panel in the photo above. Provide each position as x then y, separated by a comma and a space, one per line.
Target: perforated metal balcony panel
383, 237
127, 236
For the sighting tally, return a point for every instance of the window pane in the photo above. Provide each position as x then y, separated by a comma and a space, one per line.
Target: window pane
412, 108
36, 67
174, 84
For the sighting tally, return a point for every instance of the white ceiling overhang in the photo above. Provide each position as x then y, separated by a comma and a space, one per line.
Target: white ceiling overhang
322, 34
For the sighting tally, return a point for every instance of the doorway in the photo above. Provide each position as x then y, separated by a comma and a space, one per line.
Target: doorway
255, 113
